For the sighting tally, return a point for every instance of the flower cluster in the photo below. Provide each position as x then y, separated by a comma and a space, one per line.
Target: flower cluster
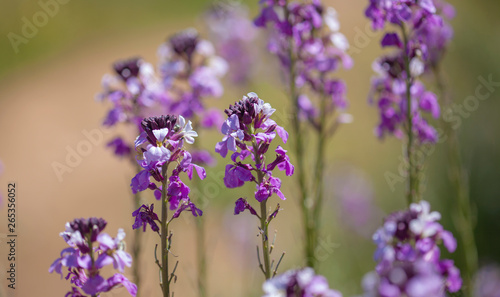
487, 281
408, 256
419, 48
135, 91
191, 71
160, 144
299, 283
234, 36
308, 43
249, 132
90, 250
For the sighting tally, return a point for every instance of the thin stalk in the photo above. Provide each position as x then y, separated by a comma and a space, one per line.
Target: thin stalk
411, 195
91, 254
164, 232
309, 243
319, 170
201, 256
263, 216
464, 219
137, 242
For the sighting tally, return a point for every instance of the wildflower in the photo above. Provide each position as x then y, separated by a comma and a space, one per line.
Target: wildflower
88, 243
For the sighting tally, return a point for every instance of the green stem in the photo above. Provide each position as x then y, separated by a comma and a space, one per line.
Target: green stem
319, 171
464, 220
137, 243
310, 241
411, 195
263, 216
164, 234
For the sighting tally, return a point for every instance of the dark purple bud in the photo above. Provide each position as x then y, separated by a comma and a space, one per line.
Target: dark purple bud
184, 43
127, 68
156, 123
86, 226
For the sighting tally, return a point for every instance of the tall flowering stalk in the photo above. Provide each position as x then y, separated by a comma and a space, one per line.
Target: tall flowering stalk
439, 39
191, 72
159, 146
306, 39
401, 97
234, 36
249, 132
134, 91
409, 258
89, 251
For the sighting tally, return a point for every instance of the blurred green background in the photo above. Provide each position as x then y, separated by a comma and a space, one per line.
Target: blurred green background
47, 94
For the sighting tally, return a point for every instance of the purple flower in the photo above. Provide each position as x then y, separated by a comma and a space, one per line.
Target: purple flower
408, 256
294, 283
242, 204
230, 128
310, 32
233, 35
487, 281
267, 188
249, 131
113, 252
83, 271
236, 175
120, 147
282, 161
144, 216
187, 205
427, 38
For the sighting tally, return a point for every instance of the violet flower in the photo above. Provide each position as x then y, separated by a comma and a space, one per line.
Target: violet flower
234, 37
249, 132
90, 250
298, 283
306, 34
418, 49
162, 144
487, 281
134, 91
409, 257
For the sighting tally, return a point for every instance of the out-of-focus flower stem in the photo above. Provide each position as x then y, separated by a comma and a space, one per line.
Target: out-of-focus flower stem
165, 285
201, 256
319, 170
305, 201
464, 220
412, 169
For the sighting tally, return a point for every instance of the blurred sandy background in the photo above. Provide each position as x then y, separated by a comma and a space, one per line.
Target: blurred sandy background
47, 102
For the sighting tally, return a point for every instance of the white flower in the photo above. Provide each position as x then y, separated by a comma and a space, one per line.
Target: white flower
417, 67
331, 19
187, 130
422, 225
340, 41
218, 65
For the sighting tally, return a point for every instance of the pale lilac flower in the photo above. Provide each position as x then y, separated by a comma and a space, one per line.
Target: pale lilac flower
408, 256
83, 271
487, 281
298, 283
234, 37
311, 34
